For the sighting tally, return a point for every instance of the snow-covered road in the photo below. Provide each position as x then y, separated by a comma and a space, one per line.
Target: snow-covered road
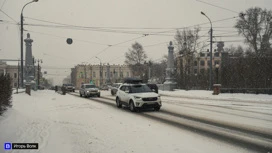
69, 124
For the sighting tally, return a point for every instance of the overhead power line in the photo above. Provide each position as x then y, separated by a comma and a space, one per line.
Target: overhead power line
8, 16
67, 37
112, 29
217, 6
3, 4
100, 52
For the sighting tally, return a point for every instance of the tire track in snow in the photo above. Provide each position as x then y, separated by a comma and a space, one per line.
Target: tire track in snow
242, 137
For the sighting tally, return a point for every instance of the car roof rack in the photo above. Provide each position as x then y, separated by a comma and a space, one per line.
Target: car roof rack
133, 80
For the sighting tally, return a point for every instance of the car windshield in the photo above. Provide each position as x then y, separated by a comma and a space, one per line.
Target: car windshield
90, 86
69, 85
140, 88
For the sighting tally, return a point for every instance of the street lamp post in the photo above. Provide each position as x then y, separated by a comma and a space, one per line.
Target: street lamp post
211, 43
22, 37
100, 72
38, 60
217, 70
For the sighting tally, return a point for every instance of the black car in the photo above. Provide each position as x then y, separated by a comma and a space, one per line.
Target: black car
114, 88
69, 87
153, 87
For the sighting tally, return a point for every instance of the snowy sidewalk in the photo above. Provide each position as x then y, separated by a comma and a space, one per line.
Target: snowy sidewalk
207, 95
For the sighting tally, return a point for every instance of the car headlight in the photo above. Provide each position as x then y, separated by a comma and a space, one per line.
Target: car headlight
88, 91
137, 97
98, 91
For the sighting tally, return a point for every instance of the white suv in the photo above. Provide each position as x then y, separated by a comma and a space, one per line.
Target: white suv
137, 96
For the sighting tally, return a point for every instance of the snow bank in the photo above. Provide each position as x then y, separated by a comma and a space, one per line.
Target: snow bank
202, 94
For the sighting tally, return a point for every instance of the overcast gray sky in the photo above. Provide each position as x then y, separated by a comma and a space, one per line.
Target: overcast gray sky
121, 17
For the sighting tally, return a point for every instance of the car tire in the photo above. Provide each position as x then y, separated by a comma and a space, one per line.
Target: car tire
73, 90
98, 95
80, 94
131, 106
157, 108
85, 95
118, 103
112, 93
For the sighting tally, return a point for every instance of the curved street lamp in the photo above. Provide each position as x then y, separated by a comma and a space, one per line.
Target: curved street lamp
211, 43
22, 37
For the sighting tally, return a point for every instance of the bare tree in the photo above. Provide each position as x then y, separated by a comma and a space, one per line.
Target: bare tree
158, 70
255, 25
187, 43
188, 40
135, 59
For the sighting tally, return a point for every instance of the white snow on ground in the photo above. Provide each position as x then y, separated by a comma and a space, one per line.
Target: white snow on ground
249, 115
203, 94
69, 124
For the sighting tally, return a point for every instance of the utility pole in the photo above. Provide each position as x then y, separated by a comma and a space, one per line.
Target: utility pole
22, 48
22, 52
211, 43
18, 77
39, 60
85, 72
101, 72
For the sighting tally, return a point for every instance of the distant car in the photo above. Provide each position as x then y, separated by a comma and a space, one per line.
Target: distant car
114, 88
88, 90
136, 96
104, 87
69, 87
41, 87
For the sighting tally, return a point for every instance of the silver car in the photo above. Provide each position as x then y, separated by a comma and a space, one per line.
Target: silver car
88, 90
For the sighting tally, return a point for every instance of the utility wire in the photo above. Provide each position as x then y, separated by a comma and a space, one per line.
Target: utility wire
66, 37
3, 4
8, 16
100, 52
217, 6
110, 30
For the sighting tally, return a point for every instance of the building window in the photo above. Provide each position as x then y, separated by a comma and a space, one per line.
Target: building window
110, 74
208, 63
116, 74
202, 71
216, 54
15, 75
195, 71
105, 74
15, 84
202, 63
94, 74
202, 55
195, 63
81, 74
127, 74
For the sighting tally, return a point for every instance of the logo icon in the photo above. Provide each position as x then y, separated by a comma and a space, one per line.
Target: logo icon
7, 146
